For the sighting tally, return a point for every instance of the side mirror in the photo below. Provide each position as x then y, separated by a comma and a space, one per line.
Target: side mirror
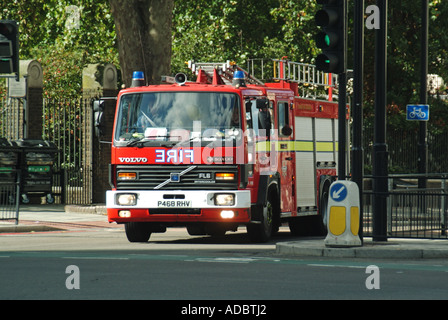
286, 130
98, 109
264, 116
262, 103
264, 120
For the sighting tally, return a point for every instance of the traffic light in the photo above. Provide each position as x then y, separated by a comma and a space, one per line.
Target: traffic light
9, 47
332, 39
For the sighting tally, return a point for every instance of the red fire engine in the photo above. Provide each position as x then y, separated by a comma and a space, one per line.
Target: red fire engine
222, 152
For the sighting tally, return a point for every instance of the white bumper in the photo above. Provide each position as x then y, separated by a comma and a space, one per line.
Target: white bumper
178, 199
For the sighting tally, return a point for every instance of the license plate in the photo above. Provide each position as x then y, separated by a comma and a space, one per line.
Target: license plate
174, 204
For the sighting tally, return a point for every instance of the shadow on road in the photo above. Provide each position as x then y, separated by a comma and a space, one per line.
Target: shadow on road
239, 237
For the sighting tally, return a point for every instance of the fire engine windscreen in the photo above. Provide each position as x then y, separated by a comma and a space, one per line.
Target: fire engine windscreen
178, 116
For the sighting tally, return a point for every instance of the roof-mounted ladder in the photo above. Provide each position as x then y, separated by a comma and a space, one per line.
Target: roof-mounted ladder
224, 69
303, 73
285, 70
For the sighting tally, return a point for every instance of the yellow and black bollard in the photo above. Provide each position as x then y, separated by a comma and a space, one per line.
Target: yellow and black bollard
343, 215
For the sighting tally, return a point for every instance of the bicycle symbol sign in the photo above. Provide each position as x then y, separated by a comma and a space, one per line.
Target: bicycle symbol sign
419, 112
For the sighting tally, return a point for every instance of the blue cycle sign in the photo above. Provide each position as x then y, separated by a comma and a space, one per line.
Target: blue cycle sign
418, 112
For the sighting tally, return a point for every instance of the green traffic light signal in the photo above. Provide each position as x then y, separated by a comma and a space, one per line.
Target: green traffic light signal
332, 38
327, 40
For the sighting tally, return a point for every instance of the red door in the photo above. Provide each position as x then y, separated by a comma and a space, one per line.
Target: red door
286, 156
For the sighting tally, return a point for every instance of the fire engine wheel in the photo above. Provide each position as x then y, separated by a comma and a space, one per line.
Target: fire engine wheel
137, 231
323, 214
196, 230
261, 232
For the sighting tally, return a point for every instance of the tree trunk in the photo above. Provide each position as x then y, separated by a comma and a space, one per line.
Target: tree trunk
143, 30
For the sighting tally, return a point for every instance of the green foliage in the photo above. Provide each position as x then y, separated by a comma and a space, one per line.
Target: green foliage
63, 38
237, 30
216, 30
404, 49
62, 71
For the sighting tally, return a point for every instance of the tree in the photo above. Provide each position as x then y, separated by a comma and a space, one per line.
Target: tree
64, 36
236, 30
404, 47
143, 29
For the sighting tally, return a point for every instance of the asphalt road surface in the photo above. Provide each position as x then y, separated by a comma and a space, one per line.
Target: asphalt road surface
97, 262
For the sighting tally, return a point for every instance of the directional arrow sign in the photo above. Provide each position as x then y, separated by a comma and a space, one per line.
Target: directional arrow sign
338, 192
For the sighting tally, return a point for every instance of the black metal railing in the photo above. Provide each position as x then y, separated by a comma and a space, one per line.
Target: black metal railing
67, 123
412, 212
9, 194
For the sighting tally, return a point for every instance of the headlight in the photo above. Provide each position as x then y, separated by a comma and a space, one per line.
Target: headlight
224, 199
126, 199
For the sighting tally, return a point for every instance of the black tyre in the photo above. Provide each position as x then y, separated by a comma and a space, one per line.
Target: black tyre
137, 231
321, 223
196, 230
262, 232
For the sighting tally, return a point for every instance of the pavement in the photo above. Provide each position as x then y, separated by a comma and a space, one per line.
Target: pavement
39, 218
393, 248
42, 218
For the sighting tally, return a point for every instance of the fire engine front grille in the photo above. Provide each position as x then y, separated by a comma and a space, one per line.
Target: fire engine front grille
159, 177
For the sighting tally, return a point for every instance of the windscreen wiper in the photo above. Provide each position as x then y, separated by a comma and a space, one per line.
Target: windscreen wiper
134, 142
139, 142
181, 143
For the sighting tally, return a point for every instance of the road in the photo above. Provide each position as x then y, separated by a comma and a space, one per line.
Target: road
99, 263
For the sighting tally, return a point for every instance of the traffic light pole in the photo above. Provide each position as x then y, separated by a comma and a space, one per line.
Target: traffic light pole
342, 102
380, 153
342, 126
422, 141
332, 39
357, 109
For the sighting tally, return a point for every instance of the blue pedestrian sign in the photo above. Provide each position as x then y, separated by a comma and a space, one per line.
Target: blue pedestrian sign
338, 192
419, 112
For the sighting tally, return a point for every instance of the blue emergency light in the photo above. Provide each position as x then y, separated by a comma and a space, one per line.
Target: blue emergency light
238, 75
239, 79
138, 79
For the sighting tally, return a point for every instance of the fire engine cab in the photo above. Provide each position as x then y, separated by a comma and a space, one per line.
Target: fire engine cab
223, 152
